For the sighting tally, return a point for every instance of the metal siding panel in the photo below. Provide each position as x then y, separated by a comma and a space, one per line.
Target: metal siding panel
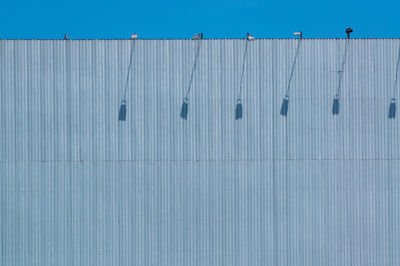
78, 187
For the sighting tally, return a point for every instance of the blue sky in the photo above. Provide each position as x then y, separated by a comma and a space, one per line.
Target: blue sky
180, 19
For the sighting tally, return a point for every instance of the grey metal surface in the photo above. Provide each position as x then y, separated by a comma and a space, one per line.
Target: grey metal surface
80, 188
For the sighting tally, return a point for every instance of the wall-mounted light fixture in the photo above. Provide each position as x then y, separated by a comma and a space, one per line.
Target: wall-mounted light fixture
348, 32
198, 36
250, 38
298, 33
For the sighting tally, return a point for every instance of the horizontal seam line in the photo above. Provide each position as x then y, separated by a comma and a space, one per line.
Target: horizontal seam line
183, 161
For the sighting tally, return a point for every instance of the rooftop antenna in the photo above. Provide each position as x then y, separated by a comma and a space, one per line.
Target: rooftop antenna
336, 98
122, 108
393, 101
185, 104
239, 106
285, 101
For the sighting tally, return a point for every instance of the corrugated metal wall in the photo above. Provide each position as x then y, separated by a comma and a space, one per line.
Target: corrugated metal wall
80, 188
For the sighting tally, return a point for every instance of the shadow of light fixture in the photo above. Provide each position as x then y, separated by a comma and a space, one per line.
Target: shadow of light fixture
285, 101
239, 106
122, 108
238, 109
185, 103
392, 109
285, 105
336, 98
185, 108
122, 111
